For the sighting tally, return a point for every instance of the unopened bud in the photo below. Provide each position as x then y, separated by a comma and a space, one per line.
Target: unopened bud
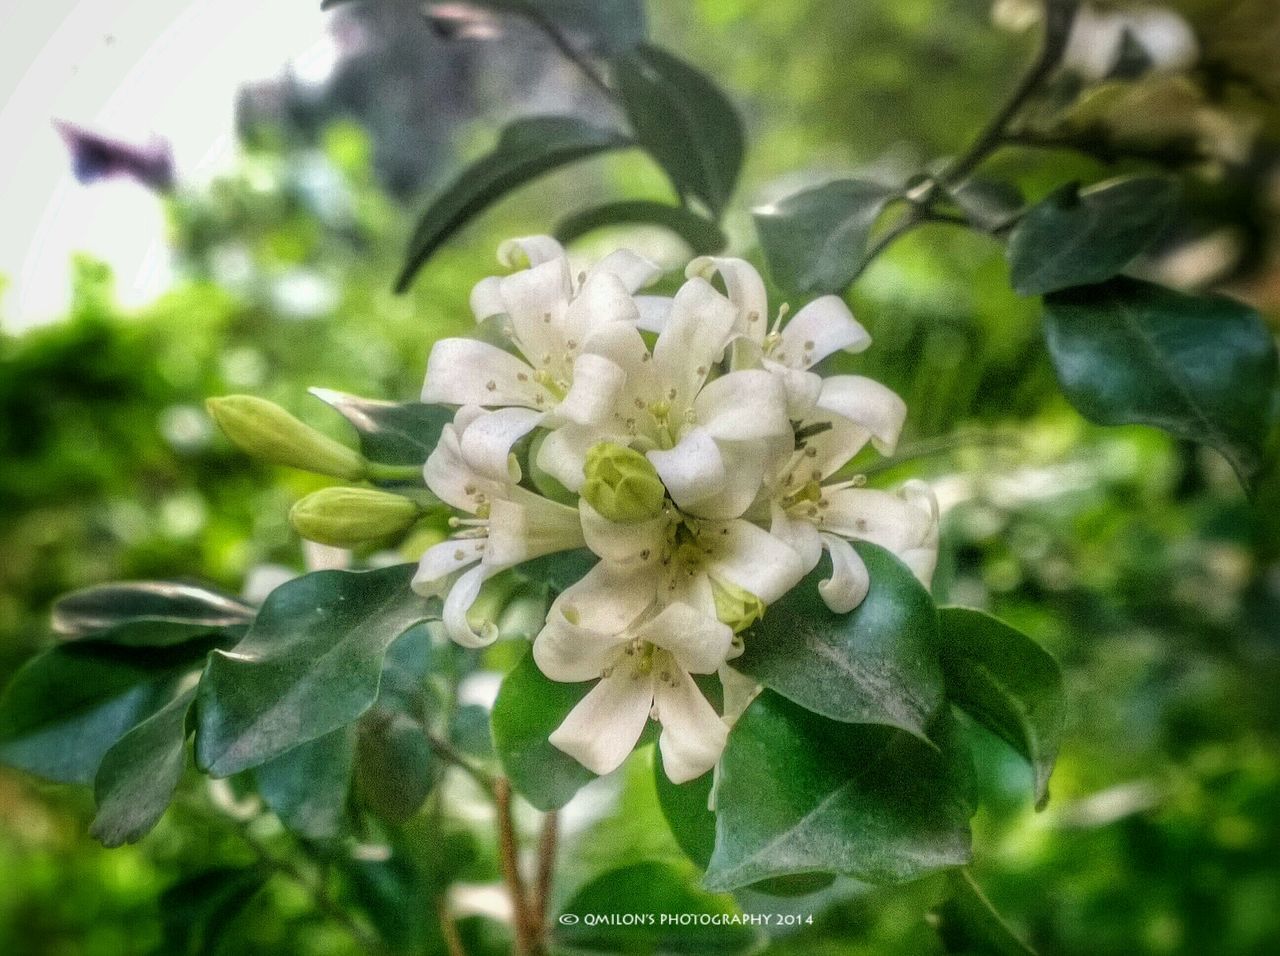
622, 484
265, 430
735, 606
346, 517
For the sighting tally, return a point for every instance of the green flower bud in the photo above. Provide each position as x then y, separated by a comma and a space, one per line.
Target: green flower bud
265, 430
734, 606
346, 517
622, 485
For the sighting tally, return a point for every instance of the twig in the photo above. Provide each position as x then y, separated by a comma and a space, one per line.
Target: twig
546, 870
526, 942
1058, 17
449, 753
448, 928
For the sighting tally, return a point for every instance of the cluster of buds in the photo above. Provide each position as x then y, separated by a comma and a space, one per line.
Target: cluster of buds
685, 441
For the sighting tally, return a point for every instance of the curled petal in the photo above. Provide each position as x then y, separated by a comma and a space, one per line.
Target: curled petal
449, 476
607, 601
441, 562
634, 270
624, 546
802, 388
529, 251
867, 404
568, 652
800, 535
461, 596
754, 560
603, 729
602, 299
881, 517
849, 581
698, 642
597, 381
470, 372
529, 526
745, 288
693, 469
693, 735
823, 326
487, 440
486, 298
743, 405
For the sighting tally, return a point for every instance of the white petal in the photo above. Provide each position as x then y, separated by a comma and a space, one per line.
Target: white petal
634, 270
487, 441
739, 692
754, 560
693, 340
802, 388
799, 535
449, 476
568, 652
880, 517
624, 546
607, 601
654, 312
470, 372
563, 452
603, 729
693, 735
528, 527
527, 251
536, 300
745, 464
745, 288
743, 405
823, 326
865, 403
693, 469
486, 298
602, 299
440, 562
698, 642
597, 382
459, 600
849, 581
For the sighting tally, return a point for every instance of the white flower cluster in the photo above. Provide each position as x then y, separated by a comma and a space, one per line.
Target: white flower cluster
702, 469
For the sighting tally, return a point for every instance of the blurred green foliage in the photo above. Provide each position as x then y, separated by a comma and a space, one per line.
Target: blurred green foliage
1133, 558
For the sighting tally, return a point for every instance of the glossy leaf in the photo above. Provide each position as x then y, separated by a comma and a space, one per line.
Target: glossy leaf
526, 149
1006, 682
702, 235
685, 121
528, 708
309, 665
307, 787
877, 664
650, 892
148, 613
139, 774
67, 707
816, 240
397, 767
394, 433
1084, 236
802, 794
970, 924
687, 809
1201, 368
197, 911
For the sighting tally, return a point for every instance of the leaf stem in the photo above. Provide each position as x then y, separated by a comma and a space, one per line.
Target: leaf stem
449, 928
377, 471
447, 752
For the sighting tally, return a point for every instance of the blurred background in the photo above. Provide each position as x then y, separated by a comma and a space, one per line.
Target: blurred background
277, 159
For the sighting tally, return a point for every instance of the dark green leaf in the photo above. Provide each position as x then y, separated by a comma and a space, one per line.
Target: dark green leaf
816, 240
1083, 236
802, 794
1201, 368
394, 433
655, 895
684, 120
65, 708
197, 911
309, 665
526, 149
529, 707
970, 924
877, 664
147, 613
991, 203
138, 775
686, 807
307, 787
702, 235
397, 767
561, 569
1007, 683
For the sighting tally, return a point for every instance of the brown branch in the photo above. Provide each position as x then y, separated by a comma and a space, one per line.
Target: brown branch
449, 928
546, 870
526, 940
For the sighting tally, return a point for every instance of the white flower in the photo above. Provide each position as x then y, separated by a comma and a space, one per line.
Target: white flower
510, 525
712, 440
549, 315
644, 657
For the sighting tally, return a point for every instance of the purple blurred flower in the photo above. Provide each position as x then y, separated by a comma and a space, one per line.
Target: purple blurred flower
95, 157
